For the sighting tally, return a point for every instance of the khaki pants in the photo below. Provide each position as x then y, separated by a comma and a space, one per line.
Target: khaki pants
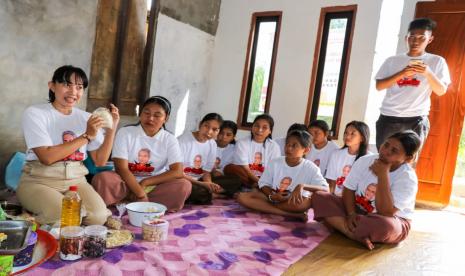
41, 190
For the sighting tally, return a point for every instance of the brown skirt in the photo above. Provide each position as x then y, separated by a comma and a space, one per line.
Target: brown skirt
375, 227
113, 189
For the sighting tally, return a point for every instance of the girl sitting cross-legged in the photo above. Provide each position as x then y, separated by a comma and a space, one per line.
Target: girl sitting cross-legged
379, 194
253, 153
288, 182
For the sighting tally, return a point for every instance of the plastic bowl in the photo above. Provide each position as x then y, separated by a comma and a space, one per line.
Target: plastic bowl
140, 211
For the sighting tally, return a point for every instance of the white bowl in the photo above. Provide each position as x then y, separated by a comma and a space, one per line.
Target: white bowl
140, 211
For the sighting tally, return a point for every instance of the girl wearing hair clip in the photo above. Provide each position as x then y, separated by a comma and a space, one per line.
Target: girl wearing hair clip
159, 176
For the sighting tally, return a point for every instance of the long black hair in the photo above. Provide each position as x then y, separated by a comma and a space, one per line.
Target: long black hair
63, 75
303, 137
364, 130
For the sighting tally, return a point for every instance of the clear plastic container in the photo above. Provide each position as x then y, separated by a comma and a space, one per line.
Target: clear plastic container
71, 208
95, 241
24, 257
71, 243
155, 230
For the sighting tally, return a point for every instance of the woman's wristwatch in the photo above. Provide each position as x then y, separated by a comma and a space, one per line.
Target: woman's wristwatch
85, 135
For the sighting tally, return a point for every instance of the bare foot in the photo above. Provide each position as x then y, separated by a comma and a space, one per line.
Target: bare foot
368, 243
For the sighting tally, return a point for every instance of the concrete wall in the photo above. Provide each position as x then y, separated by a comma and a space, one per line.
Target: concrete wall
183, 57
181, 71
36, 38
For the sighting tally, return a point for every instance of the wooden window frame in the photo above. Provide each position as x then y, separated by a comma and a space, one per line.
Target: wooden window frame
247, 78
317, 70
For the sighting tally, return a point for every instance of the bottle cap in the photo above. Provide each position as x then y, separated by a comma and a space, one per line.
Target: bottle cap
73, 188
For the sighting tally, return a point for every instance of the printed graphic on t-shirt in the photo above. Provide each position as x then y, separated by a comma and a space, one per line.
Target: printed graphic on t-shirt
217, 163
69, 136
340, 180
317, 162
143, 166
284, 184
257, 168
366, 201
408, 82
196, 170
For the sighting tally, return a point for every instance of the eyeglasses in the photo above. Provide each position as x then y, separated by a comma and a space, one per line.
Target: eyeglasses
417, 37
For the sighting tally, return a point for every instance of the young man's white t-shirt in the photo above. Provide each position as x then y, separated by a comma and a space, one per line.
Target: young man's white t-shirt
192, 150
163, 150
410, 100
321, 156
224, 156
278, 170
247, 153
403, 184
43, 126
339, 166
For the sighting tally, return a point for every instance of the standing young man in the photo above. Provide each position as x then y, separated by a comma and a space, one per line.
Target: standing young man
409, 79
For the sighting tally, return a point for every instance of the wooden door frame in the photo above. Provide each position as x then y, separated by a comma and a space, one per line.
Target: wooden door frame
425, 194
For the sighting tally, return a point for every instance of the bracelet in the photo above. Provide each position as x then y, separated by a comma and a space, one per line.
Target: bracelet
86, 136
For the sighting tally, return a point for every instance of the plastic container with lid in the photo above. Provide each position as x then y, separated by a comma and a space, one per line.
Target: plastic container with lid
71, 243
95, 241
24, 257
155, 230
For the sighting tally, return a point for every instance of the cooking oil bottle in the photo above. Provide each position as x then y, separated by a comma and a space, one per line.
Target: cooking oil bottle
71, 208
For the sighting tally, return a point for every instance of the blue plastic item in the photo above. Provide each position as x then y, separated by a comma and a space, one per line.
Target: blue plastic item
14, 169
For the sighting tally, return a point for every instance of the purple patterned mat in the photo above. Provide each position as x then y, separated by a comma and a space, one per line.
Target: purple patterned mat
218, 239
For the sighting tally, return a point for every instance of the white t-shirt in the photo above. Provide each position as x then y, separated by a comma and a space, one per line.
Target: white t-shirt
339, 166
410, 99
255, 155
321, 156
403, 183
281, 143
147, 156
198, 157
43, 125
281, 177
224, 156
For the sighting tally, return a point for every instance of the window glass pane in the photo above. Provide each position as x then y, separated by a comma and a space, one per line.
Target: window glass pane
332, 67
263, 58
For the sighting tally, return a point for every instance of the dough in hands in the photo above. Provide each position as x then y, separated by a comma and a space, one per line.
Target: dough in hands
105, 114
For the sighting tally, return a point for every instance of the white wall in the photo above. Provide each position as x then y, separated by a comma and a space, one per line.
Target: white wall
181, 71
294, 58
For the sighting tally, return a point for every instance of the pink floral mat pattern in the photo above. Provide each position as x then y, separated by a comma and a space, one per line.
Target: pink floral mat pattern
218, 239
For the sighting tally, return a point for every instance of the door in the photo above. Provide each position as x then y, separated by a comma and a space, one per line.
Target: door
436, 165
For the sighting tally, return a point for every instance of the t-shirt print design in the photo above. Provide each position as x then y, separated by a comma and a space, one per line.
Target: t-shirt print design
196, 170
366, 201
340, 180
69, 136
143, 166
257, 167
284, 184
408, 82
